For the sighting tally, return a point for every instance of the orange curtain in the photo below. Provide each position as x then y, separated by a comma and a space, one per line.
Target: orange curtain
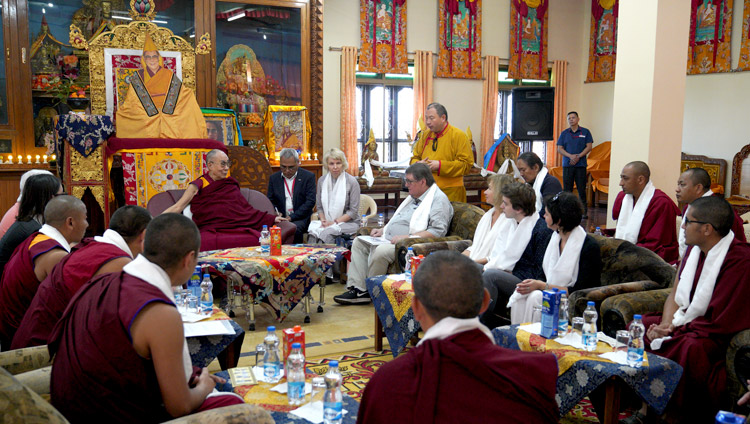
559, 81
489, 103
423, 69
349, 107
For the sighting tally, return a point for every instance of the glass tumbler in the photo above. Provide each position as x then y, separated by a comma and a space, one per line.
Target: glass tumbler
623, 338
318, 389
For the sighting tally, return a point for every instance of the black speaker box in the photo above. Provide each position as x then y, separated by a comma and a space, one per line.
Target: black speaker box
533, 113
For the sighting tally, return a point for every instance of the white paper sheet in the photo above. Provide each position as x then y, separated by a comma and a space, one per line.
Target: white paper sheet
534, 328
191, 317
373, 241
208, 328
619, 357
312, 412
281, 388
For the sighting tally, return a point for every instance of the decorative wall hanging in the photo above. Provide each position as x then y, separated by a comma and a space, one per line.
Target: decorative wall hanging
603, 40
528, 40
710, 36
382, 26
460, 39
744, 64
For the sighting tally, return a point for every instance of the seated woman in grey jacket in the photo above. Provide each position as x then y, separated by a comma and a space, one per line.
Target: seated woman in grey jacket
337, 201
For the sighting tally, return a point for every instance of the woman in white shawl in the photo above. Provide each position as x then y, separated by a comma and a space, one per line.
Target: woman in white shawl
571, 262
493, 222
337, 201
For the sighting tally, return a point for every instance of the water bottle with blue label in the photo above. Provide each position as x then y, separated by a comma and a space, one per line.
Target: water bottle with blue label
562, 323
333, 409
207, 296
265, 241
271, 358
635, 345
407, 266
588, 337
295, 378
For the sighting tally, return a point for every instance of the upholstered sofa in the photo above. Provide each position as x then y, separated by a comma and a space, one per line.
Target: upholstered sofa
617, 311
160, 202
25, 383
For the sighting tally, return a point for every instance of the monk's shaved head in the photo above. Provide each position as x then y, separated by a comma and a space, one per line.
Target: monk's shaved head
699, 176
449, 284
640, 169
60, 208
169, 238
129, 222
715, 211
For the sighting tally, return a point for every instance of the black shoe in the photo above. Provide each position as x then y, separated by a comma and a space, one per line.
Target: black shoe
352, 297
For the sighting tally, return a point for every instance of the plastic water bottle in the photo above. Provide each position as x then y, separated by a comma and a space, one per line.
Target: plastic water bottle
562, 326
265, 241
194, 284
598, 231
332, 398
271, 358
381, 220
588, 337
295, 377
207, 296
364, 220
407, 267
635, 345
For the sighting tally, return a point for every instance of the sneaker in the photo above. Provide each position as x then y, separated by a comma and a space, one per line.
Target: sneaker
352, 297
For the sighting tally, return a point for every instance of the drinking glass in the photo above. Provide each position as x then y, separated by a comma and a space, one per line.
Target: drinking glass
577, 326
260, 352
193, 305
318, 389
536, 314
623, 338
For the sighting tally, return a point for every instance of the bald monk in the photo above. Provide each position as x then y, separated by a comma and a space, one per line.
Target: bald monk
693, 184
31, 262
446, 150
94, 256
120, 351
706, 307
219, 209
456, 373
156, 104
645, 215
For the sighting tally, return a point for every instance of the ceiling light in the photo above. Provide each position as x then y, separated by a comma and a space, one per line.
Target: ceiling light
264, 36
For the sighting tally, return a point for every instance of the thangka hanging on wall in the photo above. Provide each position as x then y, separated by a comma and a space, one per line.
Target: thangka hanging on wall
603, 40
710, 36
382, 27
528, 40
460, 39
744, 64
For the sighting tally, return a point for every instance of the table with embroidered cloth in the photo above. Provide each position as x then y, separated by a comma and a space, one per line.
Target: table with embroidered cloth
580, 372
391, 295
279, 282
225, 347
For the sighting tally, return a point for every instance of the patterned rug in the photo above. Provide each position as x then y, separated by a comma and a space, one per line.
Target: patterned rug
357, 369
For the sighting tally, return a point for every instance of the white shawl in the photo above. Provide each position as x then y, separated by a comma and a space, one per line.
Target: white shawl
538, 187
333, 200
421, 217
687, 310
449, 326
509, 249
561, 269
114, 238
486, 234
55, 235
630, 219
681, 234
153, 274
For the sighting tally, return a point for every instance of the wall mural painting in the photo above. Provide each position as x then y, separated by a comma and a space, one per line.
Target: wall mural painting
710, 36
383, 36
528, 40
603, 40
460, 39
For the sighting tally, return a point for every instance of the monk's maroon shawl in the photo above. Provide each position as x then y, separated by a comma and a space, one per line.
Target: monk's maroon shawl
219, 206
658, 231
463, 378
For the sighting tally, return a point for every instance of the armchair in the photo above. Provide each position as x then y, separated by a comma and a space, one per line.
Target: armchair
618, 310
25, 384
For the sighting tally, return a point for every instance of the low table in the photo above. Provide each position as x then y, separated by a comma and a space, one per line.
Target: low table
391, 295
280, 282
581, 372
226, 348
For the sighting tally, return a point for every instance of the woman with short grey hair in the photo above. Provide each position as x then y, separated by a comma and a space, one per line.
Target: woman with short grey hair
338, 201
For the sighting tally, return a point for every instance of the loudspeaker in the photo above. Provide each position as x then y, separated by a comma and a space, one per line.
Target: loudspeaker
533, 113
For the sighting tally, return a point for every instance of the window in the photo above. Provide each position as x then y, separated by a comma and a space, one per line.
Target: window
505, 111
385, 106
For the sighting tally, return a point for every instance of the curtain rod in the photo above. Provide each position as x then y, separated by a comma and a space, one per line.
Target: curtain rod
502, 60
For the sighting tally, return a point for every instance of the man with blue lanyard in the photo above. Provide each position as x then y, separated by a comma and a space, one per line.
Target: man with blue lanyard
574, 144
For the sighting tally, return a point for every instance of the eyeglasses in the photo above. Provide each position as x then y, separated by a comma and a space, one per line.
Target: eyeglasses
434, 144
408, 181
151, 56
288, 168
223, 164
690, 221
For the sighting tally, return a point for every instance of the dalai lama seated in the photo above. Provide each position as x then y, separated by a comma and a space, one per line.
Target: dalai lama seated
219, 209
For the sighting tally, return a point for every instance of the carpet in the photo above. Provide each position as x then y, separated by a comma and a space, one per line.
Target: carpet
358, 368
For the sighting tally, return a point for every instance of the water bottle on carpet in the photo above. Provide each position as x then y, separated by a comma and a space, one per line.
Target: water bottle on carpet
295, 378
207, 296
265, 241
332, 399
588, 337
271, 358
635, 345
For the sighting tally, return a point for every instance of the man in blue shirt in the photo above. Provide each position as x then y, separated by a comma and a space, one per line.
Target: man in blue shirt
574, 144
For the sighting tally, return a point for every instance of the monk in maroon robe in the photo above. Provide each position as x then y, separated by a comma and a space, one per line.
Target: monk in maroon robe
34, 259
658, 228
120, 349
94, 256
700, 345
219, 209
456, 373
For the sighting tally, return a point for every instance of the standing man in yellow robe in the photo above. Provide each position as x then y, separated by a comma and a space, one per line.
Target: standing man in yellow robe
157, 105
446, 150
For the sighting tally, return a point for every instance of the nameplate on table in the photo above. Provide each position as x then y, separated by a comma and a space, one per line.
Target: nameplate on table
208, 328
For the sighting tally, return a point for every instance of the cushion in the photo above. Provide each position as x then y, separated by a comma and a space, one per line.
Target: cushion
18, 404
